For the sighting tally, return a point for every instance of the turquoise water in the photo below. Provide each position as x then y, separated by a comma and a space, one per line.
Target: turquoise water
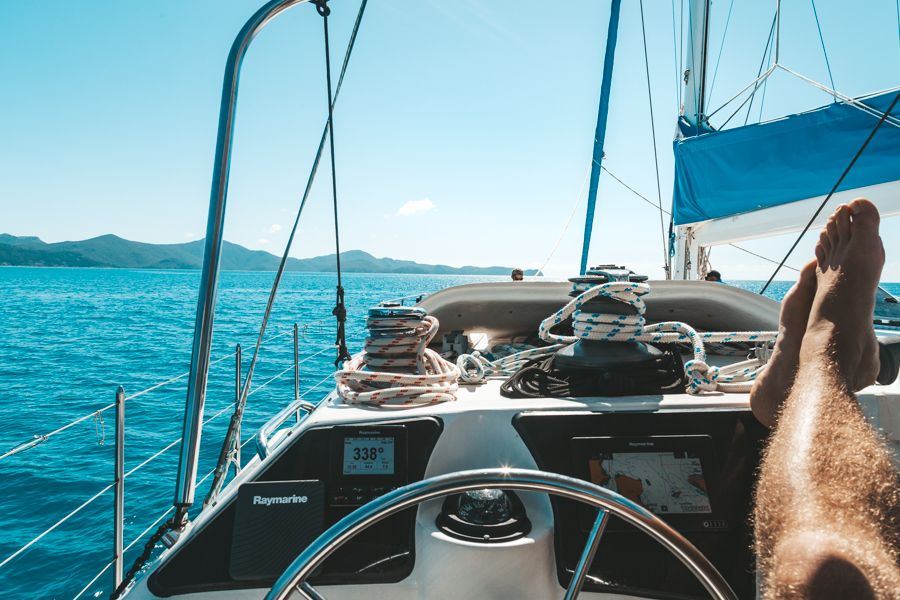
68, 337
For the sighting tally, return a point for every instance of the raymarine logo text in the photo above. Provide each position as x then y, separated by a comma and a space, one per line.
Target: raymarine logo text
270, 500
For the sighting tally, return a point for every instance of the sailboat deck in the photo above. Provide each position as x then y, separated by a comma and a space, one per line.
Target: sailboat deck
483, 429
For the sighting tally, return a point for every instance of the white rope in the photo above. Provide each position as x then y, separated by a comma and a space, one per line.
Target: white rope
434, 379
625, 328
475, 368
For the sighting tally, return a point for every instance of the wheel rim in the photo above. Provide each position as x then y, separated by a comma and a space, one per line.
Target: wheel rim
604, 500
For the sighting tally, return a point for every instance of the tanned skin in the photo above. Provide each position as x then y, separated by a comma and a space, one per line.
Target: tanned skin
827, 510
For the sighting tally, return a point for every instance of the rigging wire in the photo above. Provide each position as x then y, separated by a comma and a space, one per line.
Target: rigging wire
712, 85
675, 61
762, 101
679, 85
662, 227
681, 56
765, 258
340, 311
559, 240
766, 57
221, 470
834, 189
824, 51
653, 204
736, 111
749, 99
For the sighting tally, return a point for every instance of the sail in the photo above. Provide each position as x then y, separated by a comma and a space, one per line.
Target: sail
745, 169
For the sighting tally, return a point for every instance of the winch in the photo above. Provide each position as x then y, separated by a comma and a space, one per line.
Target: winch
594, 354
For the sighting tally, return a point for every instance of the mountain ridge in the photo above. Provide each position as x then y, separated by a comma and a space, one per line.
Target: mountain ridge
112, 251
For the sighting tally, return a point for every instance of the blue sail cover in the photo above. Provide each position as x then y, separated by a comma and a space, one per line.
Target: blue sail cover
724, 173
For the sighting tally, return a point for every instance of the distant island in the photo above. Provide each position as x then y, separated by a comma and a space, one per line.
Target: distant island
111, 251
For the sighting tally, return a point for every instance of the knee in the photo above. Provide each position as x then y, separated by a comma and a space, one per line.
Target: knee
816, 566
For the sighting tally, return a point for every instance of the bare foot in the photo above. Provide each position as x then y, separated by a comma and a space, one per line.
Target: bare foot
849, 258
774, 384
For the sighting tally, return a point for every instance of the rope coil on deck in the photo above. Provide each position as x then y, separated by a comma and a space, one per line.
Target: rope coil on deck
475, 368
398, 368
597, 326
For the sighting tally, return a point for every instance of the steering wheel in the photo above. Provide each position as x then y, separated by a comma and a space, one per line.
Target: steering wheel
605, 501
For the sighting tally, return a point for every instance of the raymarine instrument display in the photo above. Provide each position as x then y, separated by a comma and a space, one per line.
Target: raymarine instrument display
662, 482
667, 475
368, 456
366, 462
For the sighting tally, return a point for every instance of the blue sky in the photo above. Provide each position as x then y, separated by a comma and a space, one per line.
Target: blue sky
463, 133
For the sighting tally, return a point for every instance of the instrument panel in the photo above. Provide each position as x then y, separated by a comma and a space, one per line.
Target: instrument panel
366, 462
354, 464
693, 469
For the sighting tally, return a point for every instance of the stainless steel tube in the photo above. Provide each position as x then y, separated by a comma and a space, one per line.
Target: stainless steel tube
296, 363
237, 407
262, 437
506, 479
587, 555
119, 504
206, 303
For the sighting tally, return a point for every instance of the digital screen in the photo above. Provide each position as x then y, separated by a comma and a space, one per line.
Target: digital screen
661, 482
368, 456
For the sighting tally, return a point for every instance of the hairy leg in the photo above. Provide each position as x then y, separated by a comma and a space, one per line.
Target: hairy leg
828, 496
772, 386
826, 512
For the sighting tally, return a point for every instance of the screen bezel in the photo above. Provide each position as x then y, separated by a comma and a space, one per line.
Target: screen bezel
586, 448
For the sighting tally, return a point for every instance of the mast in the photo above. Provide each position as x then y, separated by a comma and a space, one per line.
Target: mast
694, 109
600, 131
693, 112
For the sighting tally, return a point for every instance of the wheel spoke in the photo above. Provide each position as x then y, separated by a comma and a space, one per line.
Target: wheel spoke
309, 592
507, 478
587, 555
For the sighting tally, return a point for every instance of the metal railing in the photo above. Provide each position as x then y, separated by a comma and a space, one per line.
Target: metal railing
264, 443
117, 486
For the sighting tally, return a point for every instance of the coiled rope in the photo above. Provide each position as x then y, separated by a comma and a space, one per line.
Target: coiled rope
622, 327
475, 368
398, 369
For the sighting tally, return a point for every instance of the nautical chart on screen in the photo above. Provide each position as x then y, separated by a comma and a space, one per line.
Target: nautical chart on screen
661, 482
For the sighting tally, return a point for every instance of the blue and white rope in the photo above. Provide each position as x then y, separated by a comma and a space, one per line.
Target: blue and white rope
627, 328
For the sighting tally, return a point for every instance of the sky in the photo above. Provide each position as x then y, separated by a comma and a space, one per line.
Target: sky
463, 134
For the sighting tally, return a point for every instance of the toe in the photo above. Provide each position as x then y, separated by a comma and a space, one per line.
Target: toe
820, 255
842, 221
824, 242
831, 230
807, 280
797, 302
864, 213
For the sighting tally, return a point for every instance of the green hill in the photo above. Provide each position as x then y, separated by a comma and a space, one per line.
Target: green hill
111, 251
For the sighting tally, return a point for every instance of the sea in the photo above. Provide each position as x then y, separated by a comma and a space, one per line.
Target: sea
70, 337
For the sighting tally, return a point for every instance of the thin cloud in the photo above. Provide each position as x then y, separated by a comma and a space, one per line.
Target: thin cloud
263, 241
415, 207
274, 228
